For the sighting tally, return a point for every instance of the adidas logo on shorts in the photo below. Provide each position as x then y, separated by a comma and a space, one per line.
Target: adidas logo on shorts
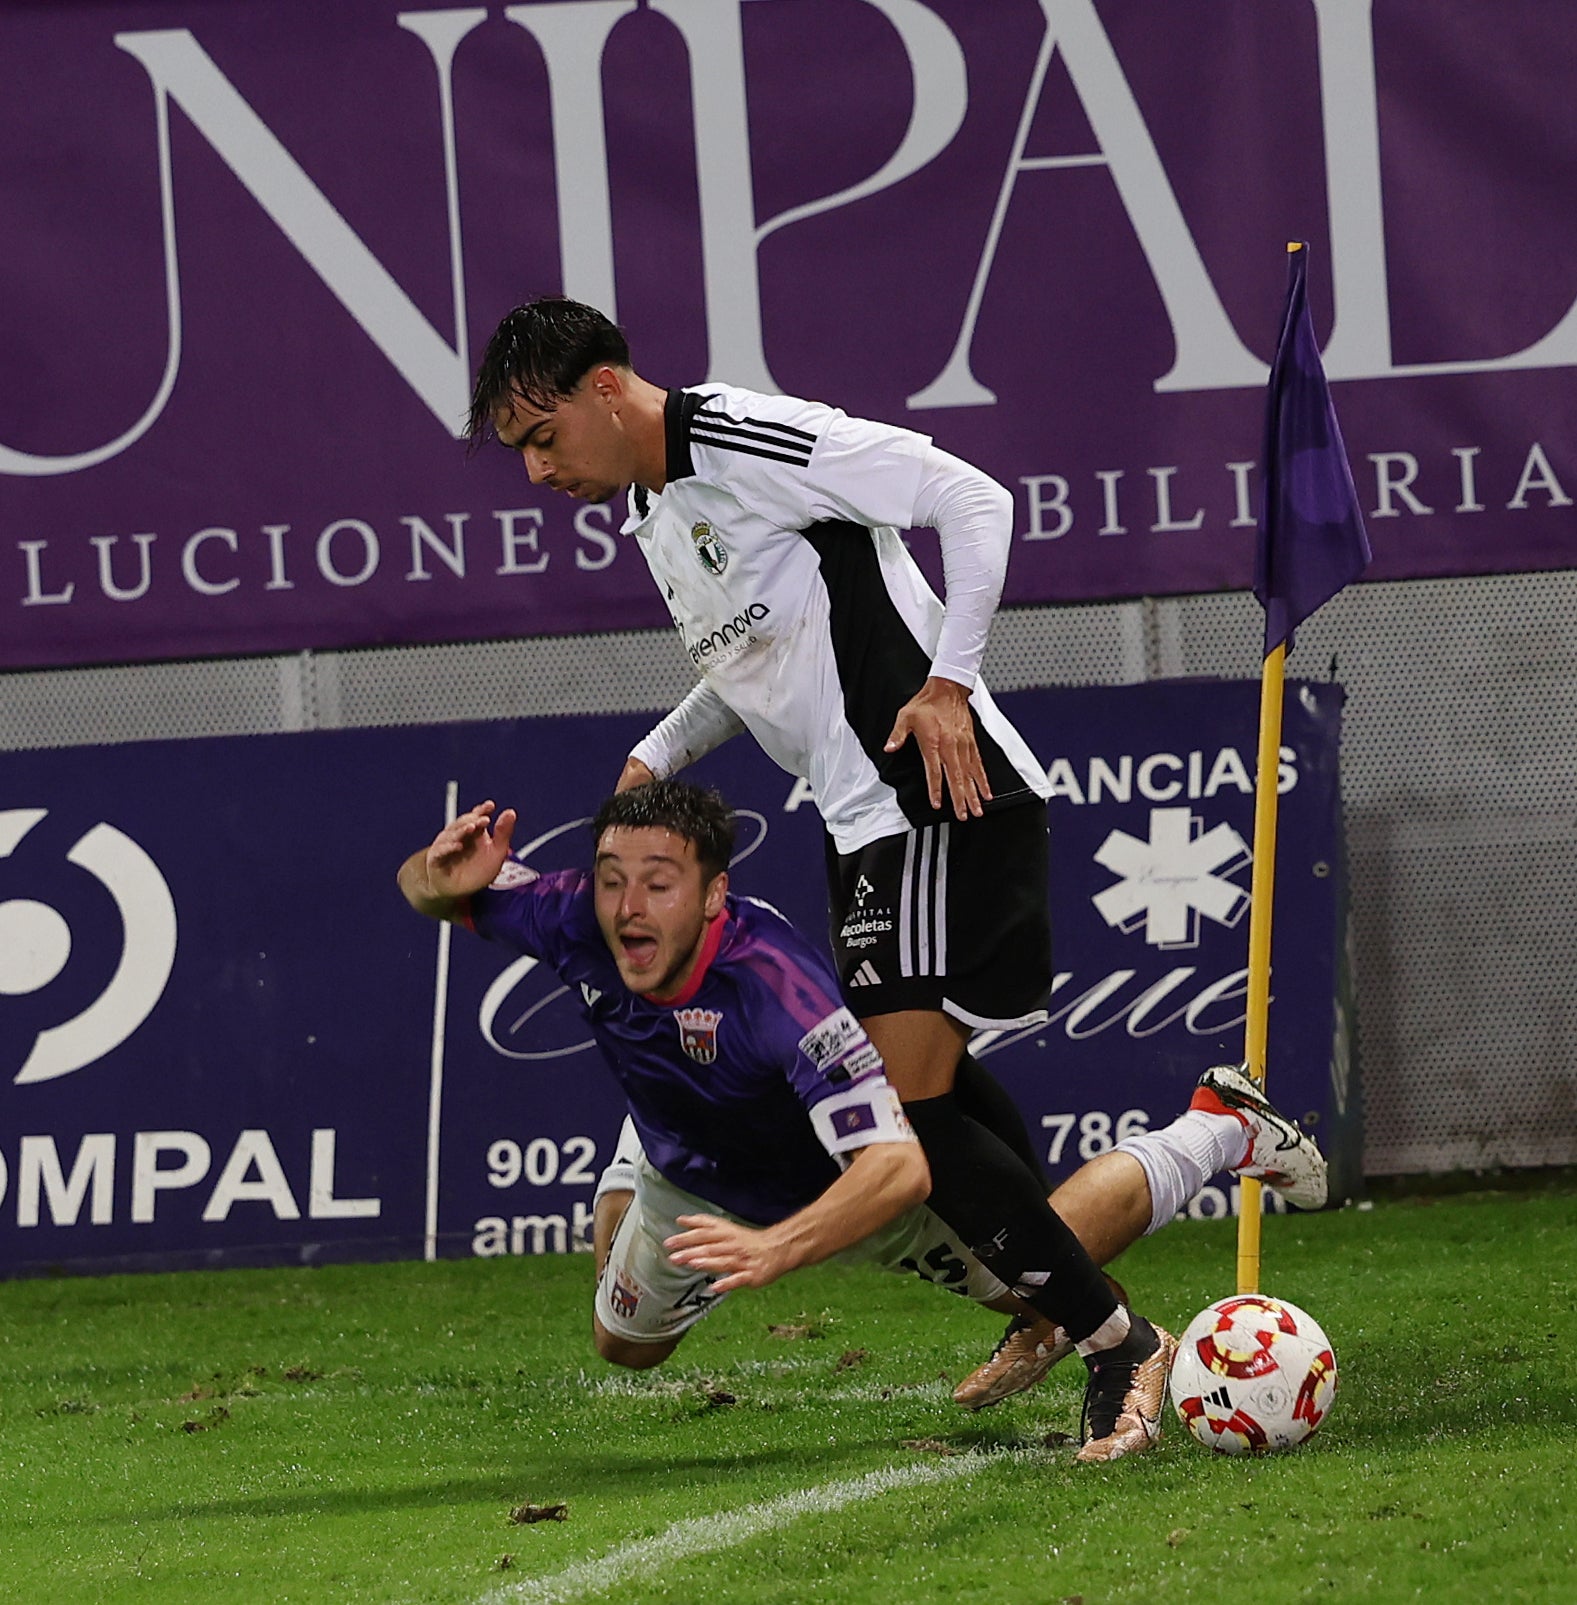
865, 976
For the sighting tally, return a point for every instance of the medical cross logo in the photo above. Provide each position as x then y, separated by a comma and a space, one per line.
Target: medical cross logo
1170, 880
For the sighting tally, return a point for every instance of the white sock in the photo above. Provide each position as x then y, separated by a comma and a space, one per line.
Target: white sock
1108, 1334
1178, 1159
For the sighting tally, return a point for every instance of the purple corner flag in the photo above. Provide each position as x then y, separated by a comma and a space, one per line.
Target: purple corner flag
1311, 536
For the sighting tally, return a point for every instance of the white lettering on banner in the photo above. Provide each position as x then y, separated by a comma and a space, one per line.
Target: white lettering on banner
1210, 1008
1155, 774
515, 540
542, 1161
370, 552
586, 519
182, 71
117, 593
347, 552
47, 1193
549, 1234
452, 555
189, 570
1048, 496
38, 1166
1208, 352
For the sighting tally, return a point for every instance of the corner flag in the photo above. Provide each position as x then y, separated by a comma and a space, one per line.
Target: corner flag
1311, 539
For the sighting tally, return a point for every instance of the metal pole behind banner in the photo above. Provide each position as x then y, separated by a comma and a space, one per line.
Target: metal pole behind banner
1262, 891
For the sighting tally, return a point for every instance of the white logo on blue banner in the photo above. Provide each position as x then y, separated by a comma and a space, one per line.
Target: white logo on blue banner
1170, 880
35, 943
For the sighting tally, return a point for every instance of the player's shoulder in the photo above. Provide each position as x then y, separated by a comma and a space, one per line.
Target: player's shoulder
765, 954
729, 425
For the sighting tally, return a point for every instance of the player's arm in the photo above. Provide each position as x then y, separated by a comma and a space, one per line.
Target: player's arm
973, 518
462, 859
881, 1182
700, 723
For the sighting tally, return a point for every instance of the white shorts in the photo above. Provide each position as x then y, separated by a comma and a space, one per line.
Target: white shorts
643, 1297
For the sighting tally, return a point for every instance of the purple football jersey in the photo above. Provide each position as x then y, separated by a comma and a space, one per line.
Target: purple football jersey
743, 1086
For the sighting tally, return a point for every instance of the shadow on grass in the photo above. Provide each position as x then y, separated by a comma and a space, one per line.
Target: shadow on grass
589, 1477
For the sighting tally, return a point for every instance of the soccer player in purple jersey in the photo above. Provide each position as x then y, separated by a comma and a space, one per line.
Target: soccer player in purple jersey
770, 1136
750, 1086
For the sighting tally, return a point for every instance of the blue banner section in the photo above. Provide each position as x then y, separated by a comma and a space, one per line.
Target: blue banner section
224, 1038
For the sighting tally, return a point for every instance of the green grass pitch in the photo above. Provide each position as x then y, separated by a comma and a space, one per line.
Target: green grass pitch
367, 1433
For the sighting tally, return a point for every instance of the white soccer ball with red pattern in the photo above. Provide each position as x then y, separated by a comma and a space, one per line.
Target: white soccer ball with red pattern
1253, 1374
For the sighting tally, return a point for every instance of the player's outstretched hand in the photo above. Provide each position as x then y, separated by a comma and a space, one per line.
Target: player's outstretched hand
937, 716
466, 854
739, 1256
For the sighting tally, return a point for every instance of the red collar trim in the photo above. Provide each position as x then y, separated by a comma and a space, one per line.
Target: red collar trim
709, 946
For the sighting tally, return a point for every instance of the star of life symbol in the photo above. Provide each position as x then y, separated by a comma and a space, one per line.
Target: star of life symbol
709, 548
1170, 880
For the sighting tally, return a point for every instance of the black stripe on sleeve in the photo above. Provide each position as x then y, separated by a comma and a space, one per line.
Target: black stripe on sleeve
678, 412
787, 434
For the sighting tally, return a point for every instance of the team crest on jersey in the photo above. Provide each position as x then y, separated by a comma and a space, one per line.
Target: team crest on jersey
698, 1032
709, 548
624, 1296
512, 873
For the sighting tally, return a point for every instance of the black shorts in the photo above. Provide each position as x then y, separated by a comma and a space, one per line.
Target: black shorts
951, 916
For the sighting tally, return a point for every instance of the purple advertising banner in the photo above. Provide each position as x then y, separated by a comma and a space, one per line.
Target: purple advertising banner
225, 1039
253, 251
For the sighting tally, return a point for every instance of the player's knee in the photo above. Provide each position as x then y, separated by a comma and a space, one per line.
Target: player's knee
632, 1356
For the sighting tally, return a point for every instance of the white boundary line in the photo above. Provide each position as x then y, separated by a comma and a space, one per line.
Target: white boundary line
703, 1534
435, 1085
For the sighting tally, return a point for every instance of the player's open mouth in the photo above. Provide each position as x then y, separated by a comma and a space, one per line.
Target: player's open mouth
639, 950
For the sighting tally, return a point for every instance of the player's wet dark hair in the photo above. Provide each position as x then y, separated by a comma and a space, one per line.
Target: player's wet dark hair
540, 352
691, 812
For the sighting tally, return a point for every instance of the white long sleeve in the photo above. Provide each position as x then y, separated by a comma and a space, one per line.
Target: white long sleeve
700, 723
973, 517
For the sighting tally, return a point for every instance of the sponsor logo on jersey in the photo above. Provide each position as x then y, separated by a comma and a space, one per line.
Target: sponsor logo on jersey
865, 976
827, 1042
698, 1032
709, 548
511, 874
729, 639
866, 924
840, 1049
590, 993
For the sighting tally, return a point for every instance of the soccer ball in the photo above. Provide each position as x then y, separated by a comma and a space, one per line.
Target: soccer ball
1253, 1374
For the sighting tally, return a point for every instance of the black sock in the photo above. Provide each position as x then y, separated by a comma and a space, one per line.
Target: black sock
982, 1190
982, 1097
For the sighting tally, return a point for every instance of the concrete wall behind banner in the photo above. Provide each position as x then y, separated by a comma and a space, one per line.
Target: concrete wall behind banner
226, 1039
1459, 760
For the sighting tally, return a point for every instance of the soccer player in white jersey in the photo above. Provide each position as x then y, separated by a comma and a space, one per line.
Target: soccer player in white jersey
772, 526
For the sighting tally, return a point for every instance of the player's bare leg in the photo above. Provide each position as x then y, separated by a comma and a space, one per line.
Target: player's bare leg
1117, 1198
920, 1048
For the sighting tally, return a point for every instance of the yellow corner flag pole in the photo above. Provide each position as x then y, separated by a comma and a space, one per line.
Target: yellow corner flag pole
1262, 890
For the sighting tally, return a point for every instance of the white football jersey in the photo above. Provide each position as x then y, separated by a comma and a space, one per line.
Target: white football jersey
776, 545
